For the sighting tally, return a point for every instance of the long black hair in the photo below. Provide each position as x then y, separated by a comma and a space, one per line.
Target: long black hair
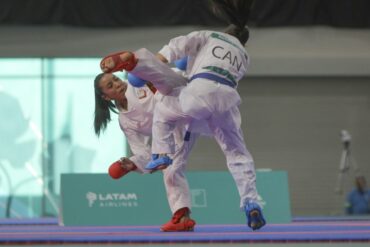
236, 13
102, 107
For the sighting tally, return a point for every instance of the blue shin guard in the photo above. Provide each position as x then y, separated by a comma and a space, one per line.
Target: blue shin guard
158, 161
254, 216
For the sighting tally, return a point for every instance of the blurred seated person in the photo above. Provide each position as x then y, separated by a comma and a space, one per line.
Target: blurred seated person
358, 200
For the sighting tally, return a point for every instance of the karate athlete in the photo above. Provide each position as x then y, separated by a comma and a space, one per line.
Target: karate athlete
135, 107
216, 62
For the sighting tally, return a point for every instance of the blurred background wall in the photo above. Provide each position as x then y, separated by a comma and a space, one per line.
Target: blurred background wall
309, 79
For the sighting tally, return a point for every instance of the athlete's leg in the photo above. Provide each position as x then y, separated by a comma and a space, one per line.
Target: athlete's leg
229, 136
150, 68
167, 115
143, 64
177, 188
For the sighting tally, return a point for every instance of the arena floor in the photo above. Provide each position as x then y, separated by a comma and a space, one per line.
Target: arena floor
300, 232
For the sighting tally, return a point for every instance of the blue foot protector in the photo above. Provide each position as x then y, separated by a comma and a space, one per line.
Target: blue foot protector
254, 216
157, 161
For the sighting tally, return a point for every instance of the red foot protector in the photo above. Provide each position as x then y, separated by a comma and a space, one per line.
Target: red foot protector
116, 170
119, 65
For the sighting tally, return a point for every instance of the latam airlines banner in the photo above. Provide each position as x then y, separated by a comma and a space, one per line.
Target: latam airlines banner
96, 199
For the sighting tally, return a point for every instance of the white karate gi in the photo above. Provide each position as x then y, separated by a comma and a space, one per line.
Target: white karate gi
136, 123
167, 113
222, 55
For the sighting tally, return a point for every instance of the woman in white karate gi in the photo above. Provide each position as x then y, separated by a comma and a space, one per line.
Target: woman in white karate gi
135, 107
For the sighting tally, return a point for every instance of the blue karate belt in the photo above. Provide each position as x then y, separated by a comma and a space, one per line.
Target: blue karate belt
215, 78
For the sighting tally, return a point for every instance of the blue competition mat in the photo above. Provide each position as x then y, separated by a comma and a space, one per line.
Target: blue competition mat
46, 231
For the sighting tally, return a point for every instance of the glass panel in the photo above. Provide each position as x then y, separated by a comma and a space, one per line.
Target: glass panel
21, 146
16, 67
65, 67
46, 128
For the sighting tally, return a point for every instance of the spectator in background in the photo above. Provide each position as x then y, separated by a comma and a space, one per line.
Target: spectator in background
358, 200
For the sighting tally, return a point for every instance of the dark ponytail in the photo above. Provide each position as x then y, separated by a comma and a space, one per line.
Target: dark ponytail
102, 108
236, 13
